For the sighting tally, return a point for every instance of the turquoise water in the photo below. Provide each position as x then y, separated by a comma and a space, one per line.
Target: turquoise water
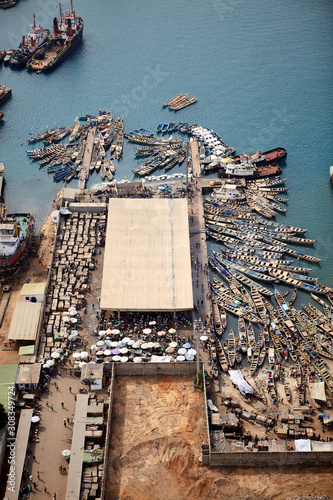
262, 72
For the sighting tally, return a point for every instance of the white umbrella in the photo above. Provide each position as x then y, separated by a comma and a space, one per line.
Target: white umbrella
114, 344
173, 344
192, 352
136, 345
77, 355
55, 355
60, 350
172, 330
161, 333
152, 322
116, 358
157, 344
123, 359
107, 352
137, 359
107, 342
45, 365
150, 345
145, 346
75, 332
100, 343
84, 354
125, 339
108, 331
66, 453
123, 350
74, 320
35, 419
169, 350
146, 331
102, 332
115, 331
182, 351
72, 337
93, 347
203, 338
66, 319
99, 353
50, 362
130, 342
73, 312
180, 358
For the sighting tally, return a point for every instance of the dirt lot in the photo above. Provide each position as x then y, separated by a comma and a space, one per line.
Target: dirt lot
156, 436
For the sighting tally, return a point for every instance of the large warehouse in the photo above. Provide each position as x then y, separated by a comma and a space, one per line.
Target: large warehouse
147, 262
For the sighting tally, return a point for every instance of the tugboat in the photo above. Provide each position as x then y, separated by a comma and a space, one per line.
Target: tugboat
36, 39
66, 36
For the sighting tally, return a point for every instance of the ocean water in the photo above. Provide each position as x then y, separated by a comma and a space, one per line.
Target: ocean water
262, 72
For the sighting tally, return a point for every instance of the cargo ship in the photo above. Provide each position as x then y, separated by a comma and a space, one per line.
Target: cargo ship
16, 232
266, 158
5, 93
35, 40
66, 36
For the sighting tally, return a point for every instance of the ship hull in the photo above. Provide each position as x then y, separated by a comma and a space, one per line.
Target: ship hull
271, 156
9, 261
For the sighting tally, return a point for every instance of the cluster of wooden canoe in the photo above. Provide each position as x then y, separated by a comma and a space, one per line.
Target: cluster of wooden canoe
166, 158
62, 159
305, 338
180, 101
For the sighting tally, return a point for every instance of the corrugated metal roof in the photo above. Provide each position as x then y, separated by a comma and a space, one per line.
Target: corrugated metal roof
147, 263
24, 325
33, 289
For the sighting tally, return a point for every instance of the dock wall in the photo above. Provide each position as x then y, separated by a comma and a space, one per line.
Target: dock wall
270, 458
81, 208
108, 432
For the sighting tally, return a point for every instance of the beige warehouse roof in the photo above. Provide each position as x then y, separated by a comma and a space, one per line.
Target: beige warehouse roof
147, 263
25, 321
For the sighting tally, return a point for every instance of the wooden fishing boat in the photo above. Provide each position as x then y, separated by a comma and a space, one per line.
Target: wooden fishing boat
242, 334
271, 387
262, 356
238, 351
330, 297
303, 256
216, 318
271, 357
221, 355
287, 392
284, 307
259, 304
231, 349
223, 317
293, 297
251, 339
254, 360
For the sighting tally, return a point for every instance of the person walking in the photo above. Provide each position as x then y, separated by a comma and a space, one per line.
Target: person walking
65, 422
45, 488
52, 406
38, 474
62, 404
70, 389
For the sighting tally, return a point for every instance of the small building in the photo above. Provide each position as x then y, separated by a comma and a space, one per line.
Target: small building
25, 324
27, 377
33, 292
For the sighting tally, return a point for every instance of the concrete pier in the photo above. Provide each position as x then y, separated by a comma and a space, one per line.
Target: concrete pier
84, 174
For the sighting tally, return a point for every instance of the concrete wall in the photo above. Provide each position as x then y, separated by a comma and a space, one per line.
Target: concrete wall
269, 459
187, 368
107, 433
